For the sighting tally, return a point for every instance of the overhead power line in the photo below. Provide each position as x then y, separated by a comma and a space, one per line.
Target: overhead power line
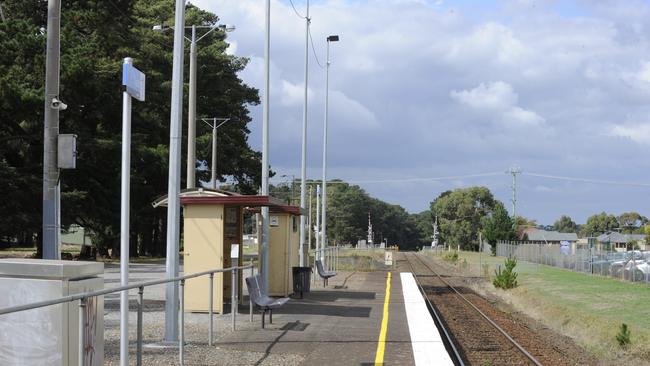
314, 49
587, 180
404, 180
295, 10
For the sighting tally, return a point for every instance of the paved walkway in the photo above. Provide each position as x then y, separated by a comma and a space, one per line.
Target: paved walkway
337, 325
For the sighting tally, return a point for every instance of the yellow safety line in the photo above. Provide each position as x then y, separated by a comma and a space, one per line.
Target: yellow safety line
381, 344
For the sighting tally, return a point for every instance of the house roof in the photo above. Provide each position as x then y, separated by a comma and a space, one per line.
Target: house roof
615, 237
544, 235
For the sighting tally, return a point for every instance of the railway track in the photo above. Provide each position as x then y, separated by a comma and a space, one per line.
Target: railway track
473, 337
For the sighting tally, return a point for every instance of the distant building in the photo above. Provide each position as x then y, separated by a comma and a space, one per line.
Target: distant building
619, 242
549, 237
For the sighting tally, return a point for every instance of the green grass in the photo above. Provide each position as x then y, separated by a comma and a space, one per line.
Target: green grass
587, 308
250, 250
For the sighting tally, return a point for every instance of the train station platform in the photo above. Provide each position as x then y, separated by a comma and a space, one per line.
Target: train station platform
338, 325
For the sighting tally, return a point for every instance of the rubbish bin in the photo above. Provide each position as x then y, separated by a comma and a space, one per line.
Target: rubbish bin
301, 280
49, 335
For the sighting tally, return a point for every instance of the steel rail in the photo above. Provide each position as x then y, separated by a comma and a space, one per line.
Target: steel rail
495, 325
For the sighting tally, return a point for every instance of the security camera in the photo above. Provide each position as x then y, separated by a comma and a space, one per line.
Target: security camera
57, 104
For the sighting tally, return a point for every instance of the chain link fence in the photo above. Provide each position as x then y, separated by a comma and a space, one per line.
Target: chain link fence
631, 266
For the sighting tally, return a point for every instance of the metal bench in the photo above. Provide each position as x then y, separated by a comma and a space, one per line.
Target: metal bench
264, 302
325, 275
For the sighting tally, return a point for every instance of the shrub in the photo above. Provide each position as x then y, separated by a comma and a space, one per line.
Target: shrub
506, 279
623, 336
451, 257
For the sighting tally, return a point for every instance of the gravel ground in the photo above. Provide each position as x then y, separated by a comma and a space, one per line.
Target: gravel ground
197, 351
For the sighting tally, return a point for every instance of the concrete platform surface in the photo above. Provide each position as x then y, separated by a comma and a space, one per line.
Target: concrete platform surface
337, 325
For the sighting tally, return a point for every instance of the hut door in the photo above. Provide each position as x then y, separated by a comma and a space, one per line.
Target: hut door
232, 234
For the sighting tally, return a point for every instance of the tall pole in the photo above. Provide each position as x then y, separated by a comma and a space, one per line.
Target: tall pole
213, 174
324, 213
173, 206
309, 218
51, 192
191, 116
303, 167
514, 171
124, 223
265, 149
317, 234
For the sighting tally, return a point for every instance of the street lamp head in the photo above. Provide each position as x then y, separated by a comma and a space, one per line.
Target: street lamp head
227, 27
157, 28
333, 38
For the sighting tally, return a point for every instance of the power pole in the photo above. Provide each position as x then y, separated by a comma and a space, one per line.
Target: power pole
514, 170
264, 244
370, 234
51, 187
303, 165
174, 182
309, 228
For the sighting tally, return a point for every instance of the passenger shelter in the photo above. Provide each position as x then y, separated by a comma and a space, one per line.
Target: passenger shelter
284, 247
212, 223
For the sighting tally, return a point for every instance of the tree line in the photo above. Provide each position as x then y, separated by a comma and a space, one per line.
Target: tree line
95, 37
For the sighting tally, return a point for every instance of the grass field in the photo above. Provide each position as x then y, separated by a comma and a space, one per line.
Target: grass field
15, 252
588, 308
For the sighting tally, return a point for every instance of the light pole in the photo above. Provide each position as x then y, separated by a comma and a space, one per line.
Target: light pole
191, 108
173, 205
265, 147
213, 166
333, 38
318, 255
303, 166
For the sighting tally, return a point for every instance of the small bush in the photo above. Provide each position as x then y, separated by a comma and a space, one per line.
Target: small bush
506, 279
451, 257
623, 336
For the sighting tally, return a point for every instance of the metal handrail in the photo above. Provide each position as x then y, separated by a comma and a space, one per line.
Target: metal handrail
70, 298
82, 297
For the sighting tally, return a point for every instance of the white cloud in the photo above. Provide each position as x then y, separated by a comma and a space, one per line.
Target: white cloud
232, 47
439, 88
499, 98
520, 116
292, 94
497, 95
639, 133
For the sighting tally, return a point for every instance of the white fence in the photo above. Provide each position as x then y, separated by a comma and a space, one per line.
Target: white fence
632, 265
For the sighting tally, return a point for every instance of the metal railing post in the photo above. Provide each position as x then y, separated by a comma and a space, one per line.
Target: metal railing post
210, 312
139, 339
181, 331
82, 331
233, 297
85, 334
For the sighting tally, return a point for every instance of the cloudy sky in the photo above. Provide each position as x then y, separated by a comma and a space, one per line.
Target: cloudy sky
462, 90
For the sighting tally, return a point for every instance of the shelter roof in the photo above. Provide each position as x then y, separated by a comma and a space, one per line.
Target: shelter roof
292, 210
216, 196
